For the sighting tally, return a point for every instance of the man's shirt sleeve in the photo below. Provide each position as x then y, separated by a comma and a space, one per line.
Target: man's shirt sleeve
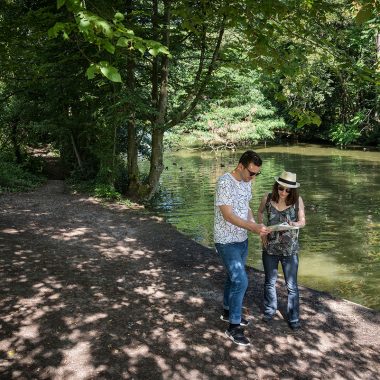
224, 193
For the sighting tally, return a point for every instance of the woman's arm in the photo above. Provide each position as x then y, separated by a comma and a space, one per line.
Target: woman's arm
260, 211
301, 214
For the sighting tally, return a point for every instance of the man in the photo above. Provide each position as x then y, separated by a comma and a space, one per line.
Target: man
233, 220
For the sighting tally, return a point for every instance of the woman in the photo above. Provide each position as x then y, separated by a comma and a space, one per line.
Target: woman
283, 205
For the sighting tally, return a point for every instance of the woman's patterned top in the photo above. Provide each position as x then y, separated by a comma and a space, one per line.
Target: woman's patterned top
282, 242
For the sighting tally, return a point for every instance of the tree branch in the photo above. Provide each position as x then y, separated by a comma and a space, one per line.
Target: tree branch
182, 112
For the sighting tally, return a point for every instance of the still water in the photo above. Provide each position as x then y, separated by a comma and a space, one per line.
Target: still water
340, 245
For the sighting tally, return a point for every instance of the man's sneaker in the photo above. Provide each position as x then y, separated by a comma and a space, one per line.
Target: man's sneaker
237, 336
225, 318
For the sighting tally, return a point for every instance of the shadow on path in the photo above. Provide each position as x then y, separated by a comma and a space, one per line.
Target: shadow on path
89, 291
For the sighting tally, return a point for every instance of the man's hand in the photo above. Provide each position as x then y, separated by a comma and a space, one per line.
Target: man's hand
259, 229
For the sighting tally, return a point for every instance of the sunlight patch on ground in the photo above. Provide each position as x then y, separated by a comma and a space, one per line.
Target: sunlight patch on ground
136, 351
79, 358
29, 331
152, 272
150, 291
95, 317
72, 234
196, 301
11, 231
222, 370
174, 318
202, 349
176, 340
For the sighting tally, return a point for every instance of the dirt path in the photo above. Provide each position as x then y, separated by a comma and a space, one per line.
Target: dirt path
101, 292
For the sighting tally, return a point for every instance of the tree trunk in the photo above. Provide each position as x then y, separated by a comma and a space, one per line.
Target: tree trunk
132, 155
77, 155
132, 148
156, 162
15, 142
158, 122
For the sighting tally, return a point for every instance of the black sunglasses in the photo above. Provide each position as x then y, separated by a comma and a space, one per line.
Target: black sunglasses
280, 188
253, 174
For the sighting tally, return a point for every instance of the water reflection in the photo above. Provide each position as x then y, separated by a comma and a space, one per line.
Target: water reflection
341, 243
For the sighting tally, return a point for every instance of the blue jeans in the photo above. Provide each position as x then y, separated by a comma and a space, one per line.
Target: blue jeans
234, 257
290, 268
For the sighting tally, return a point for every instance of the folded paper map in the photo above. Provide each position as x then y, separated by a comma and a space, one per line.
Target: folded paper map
281, 227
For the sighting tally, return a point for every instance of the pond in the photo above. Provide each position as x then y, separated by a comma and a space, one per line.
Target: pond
340, 245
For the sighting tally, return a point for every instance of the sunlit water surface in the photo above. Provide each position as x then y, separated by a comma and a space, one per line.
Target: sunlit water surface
340, 246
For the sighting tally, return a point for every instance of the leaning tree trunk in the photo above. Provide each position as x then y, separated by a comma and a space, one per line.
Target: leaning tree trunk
160, 101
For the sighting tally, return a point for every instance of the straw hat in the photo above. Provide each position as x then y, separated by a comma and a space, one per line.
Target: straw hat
287, 179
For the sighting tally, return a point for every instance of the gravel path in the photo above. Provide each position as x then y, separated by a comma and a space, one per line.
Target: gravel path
92, 291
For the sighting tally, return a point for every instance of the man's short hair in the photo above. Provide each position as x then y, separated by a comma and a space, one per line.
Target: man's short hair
250, 157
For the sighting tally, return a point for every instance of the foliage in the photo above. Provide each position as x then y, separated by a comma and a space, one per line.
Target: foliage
238, 72
235, 114
14, 178
328, 73
345, 134
106, 35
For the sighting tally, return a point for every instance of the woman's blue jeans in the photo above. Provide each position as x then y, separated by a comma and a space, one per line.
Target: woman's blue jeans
234, 257
290, 268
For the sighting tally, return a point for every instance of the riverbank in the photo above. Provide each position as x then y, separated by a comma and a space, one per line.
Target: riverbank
92, 291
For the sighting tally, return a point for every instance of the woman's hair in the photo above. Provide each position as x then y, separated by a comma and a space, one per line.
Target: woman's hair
291, 199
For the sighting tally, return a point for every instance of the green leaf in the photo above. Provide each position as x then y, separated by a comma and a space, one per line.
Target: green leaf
153, 52
90, 72
123, 42
60, 3
280, 97
139, 45
118, 16
364, 14
110, 72
56, 29
109, 47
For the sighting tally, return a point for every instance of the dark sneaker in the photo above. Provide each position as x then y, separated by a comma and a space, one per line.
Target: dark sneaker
237, 336
294, 325
243, 322
266, 318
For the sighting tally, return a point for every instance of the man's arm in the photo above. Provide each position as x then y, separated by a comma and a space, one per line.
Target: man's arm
250, 216
260, 217
249, 225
